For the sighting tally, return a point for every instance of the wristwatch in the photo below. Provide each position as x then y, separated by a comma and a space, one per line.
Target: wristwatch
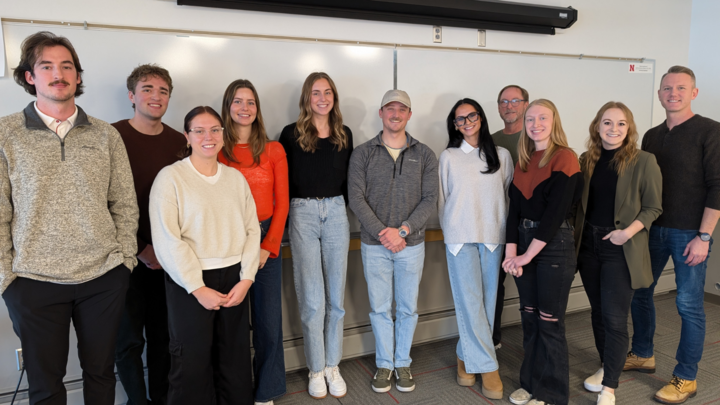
403, 233
704, 236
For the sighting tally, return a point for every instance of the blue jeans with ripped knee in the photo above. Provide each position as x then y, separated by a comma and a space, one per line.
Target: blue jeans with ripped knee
544, 288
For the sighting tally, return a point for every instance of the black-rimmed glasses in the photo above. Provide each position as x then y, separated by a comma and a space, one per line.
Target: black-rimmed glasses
472, 117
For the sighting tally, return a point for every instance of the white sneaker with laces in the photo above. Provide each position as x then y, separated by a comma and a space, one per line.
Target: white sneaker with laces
334, 380
594, 382
316, 387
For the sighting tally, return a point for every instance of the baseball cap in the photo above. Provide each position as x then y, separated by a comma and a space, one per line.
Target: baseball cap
396, 95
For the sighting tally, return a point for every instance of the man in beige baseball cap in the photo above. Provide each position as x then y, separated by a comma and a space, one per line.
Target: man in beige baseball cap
393, 189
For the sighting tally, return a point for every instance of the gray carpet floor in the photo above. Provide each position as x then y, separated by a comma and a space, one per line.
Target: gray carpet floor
434, 368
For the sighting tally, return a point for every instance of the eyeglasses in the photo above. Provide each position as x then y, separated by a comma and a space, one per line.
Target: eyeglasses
514, 102
472, 117
214, 131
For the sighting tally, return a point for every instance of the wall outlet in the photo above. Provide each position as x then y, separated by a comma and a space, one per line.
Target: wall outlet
437, 34
19, 359
481, 38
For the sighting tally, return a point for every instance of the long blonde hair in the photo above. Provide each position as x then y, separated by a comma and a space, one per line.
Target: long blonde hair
258, 136
558, 139
305, 131
628, 153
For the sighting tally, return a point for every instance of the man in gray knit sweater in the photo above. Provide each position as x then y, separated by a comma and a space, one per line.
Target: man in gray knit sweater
393, 189
68, 219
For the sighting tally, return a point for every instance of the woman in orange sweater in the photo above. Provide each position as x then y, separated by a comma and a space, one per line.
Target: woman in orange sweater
264, 165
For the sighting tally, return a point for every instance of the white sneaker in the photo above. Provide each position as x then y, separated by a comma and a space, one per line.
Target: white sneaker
536, 402
337, 385
520, 397
316, 387
264, 403
594, 382
498, 346
606, 398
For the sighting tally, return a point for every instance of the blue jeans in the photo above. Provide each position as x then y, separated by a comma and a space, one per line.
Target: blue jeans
383, 271
319, 241
267, 337
690, 281
474, 275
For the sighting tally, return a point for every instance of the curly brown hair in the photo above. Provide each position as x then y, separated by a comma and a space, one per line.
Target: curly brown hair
32, 48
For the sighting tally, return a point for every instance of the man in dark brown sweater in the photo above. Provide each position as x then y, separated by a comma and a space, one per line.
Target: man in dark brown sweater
151, 145
687, 147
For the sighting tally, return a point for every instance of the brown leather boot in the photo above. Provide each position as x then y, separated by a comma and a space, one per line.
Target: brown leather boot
492, 386
677, 391
641, 364
463, 378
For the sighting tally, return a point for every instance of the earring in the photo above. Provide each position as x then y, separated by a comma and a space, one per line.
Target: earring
188, 146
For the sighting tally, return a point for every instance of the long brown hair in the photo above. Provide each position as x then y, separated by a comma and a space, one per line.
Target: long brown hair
305, 131
628, 153
258, 135
558, 139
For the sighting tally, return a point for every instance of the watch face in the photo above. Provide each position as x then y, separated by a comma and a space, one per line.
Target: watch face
705, 237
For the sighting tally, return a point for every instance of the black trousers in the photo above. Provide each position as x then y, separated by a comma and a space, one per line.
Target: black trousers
209, 350
606, 278
41, 313
544, 287
499, 303
145, 310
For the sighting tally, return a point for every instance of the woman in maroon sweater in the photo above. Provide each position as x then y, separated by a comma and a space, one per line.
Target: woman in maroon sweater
540, 251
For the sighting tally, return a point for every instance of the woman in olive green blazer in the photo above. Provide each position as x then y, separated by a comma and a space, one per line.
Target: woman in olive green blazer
621, 199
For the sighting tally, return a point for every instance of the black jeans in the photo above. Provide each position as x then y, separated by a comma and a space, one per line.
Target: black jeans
544, 288
41, 313
499, 303
145, 309
209, 350
606, 278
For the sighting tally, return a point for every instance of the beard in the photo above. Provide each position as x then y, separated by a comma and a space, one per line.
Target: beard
511, 120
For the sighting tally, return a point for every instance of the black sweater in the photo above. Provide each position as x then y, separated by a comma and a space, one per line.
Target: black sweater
689, 159
601, 196
322, 173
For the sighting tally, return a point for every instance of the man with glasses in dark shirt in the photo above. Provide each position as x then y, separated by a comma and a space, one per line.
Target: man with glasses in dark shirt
512, 102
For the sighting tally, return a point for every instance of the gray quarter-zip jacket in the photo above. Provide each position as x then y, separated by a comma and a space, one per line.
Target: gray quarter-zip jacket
385, 193
68, 211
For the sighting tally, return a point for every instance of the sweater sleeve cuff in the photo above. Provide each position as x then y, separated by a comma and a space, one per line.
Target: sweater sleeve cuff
271, 246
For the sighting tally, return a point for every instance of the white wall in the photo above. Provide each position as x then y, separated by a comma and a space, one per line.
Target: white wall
704, 61
655, 29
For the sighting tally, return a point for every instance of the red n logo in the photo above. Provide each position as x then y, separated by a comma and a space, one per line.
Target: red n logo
632, 68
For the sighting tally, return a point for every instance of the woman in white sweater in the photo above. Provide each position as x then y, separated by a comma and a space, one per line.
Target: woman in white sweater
474, 179
207, 238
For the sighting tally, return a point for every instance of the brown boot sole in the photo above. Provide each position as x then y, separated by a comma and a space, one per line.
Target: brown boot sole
492, 394
466, 382
646, 370
665, 401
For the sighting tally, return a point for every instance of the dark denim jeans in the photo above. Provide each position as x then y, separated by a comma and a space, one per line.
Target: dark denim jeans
145, 310
606, 279
267, 338
690, 281
544, 287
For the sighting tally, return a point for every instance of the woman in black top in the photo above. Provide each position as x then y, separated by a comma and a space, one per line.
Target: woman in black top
318, 148
621, 199
540, 251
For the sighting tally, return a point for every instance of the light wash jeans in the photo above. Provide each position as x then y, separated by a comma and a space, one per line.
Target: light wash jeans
474, 275
387, 273
319, 241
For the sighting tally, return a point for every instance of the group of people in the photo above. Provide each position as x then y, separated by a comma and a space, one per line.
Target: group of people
139, 234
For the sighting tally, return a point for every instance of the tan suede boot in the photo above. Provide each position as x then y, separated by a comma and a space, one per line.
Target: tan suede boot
492, 386
463, 378
641, 364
